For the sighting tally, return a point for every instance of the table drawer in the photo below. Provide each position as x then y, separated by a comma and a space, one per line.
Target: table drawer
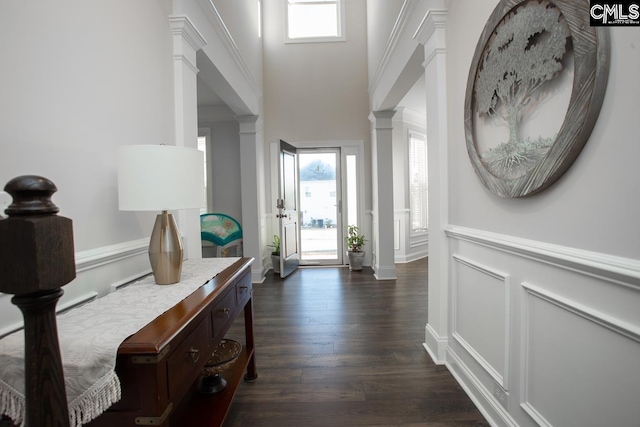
244, 290
186, 362
223, 313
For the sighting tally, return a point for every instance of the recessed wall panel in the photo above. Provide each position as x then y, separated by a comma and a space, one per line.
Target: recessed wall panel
481, 315
581, 367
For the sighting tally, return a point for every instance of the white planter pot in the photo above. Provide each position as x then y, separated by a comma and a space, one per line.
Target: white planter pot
355, 260
275, 261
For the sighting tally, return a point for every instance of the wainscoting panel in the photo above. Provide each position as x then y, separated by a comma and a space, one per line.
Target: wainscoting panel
589, 359
543, 335
480, 315
98, 272
407, 246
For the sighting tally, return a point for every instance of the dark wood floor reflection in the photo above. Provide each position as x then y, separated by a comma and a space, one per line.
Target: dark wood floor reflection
338, 348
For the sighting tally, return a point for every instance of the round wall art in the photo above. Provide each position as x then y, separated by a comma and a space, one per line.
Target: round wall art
534, 93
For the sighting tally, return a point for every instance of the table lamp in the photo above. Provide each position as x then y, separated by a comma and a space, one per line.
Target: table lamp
161, 178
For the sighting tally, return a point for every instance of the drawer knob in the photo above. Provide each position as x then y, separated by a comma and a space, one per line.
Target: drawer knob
194, 354
226, 312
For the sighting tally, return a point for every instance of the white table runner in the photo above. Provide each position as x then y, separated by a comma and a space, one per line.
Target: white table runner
89, 339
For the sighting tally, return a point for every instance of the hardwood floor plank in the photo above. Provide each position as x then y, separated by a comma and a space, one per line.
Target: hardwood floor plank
339, 348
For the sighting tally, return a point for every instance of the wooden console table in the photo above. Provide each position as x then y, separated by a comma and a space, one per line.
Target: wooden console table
160, 365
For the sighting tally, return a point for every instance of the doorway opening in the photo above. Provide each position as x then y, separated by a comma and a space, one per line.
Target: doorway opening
320, 206
330, 177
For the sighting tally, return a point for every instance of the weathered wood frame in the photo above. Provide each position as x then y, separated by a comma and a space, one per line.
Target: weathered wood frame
591, 56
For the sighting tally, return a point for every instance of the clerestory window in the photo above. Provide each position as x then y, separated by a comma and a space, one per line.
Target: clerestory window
312, 21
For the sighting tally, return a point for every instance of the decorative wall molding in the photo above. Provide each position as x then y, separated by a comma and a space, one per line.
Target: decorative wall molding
615, 325
418, 243
97, 257
87, 286
610, 323
230, 45
502, 378
613, 269
398, 29
63, 307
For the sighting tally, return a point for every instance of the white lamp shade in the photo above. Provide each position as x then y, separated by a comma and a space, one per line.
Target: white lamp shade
160, 177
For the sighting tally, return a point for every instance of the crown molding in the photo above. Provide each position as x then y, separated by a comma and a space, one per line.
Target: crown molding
399, 27
213, 16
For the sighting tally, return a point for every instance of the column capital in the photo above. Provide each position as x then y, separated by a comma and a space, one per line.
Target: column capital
187, 40
434, 20
431, 34
248, 124
182, 26
383, 119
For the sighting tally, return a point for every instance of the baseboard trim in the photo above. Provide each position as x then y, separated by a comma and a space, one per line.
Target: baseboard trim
435, 345
495, 414
385, 273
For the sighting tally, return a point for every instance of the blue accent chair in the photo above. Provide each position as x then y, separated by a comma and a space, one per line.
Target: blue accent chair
222, 232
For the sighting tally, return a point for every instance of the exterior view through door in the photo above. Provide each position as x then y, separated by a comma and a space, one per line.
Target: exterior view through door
320, 206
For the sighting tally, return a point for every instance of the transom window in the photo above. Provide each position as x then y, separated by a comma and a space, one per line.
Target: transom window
309, 21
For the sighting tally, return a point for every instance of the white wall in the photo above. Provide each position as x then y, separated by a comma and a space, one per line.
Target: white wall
543, 292
78, 80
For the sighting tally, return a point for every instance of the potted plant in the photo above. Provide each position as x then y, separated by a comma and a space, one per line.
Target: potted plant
355, 242
275, 254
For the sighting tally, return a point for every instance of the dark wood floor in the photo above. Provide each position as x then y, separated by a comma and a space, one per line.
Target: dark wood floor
338, 348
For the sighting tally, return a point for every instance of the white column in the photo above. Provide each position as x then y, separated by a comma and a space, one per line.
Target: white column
186, 42
251, 189
431, 34
384, 262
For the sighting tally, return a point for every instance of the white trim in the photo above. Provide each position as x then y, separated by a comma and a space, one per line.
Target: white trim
183, 27
501, 379
434, 20
613, 269
411, 117
59, 310
613, 324
431, 34
406, 12
230, 45
418, 243
385, 273
97, 257
435, 345
123, 283
479, 395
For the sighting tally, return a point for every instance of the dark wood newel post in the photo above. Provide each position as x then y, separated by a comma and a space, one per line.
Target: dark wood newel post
36, 259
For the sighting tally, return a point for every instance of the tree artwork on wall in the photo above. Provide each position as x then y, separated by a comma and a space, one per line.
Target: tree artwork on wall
534, 92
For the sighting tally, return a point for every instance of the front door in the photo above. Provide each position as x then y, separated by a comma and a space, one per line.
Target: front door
287, 205
320, 206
